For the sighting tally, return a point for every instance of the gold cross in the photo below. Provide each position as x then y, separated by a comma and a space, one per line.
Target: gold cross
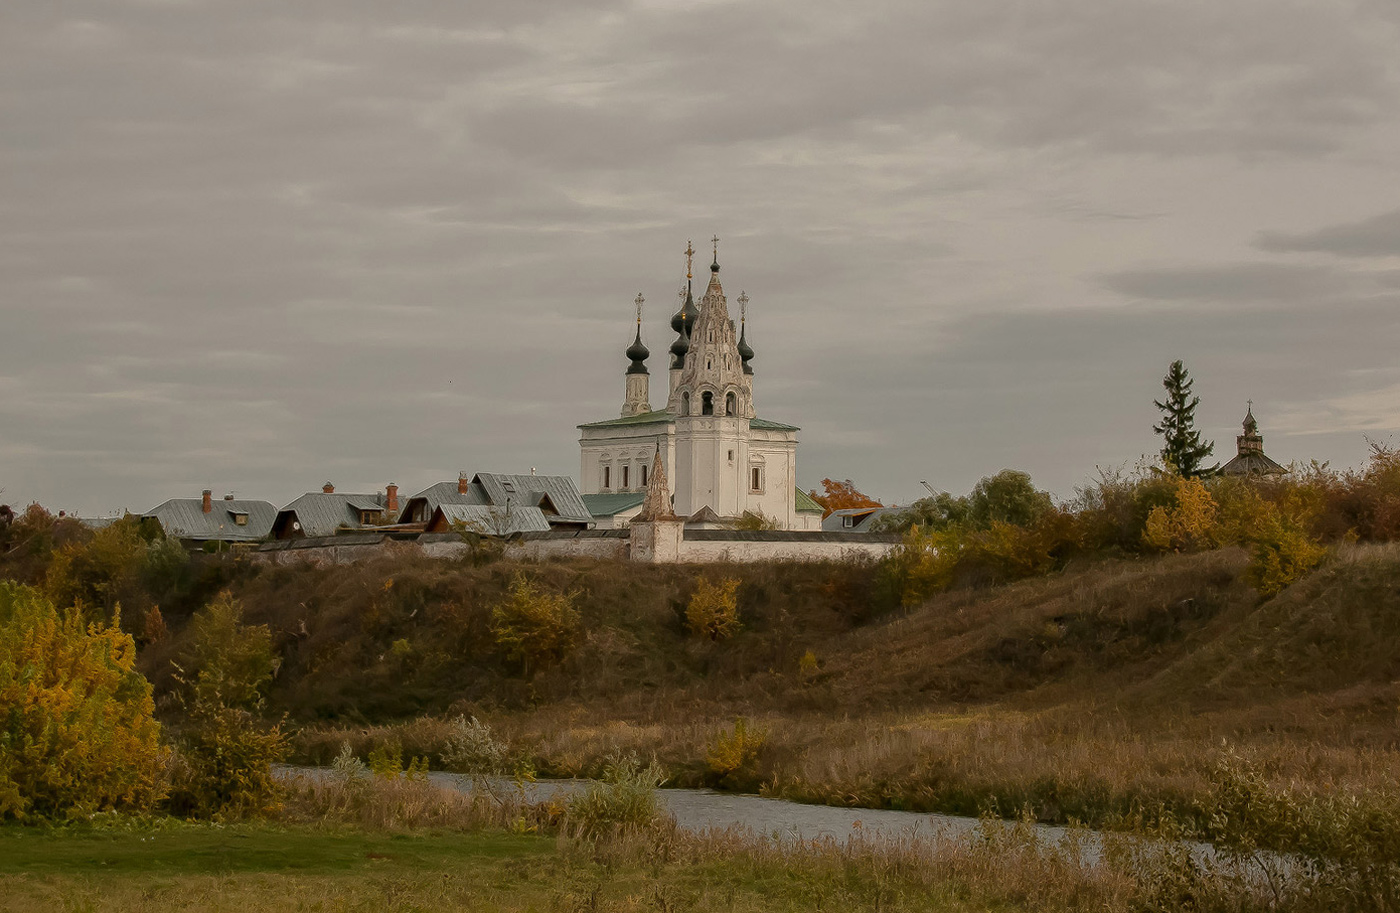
715, 241
689, 252
640, 300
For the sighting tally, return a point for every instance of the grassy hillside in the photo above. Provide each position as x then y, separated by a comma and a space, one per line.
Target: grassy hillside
1161, 637
1107, 689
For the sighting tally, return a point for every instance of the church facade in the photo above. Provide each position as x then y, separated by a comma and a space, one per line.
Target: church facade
722, 459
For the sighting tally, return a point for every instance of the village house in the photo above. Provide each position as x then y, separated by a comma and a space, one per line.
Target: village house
195, 521
327, 512
556, 498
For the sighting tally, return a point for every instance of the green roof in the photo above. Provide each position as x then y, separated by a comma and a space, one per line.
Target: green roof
646, 418
805, 504
611, 504
661, 415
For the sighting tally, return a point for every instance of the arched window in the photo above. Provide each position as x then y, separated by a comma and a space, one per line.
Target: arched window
729, 403
707, 403
685, 404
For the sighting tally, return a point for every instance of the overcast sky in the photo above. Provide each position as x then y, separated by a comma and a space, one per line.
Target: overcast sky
252, 246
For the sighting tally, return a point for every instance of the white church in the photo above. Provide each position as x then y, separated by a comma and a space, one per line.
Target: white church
722, 459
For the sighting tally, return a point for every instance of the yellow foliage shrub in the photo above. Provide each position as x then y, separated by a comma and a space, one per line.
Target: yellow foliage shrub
1189, 525
534, 626
713, 610
733, 756
77, 734
1281, 552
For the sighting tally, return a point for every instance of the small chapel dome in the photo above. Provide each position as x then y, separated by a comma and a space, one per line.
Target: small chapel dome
638, 353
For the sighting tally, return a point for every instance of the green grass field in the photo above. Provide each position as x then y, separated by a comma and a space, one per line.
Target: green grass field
250, 868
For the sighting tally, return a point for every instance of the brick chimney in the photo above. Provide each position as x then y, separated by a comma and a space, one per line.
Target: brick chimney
208, 500
391, 497
328, 488
463, 483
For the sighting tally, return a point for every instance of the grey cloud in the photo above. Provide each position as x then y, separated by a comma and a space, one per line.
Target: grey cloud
1378, 236
402, 239
1235, 283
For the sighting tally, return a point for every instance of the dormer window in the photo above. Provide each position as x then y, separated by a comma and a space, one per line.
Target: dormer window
240, 519
509, 486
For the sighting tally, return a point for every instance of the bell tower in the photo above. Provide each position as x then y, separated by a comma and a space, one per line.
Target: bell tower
712, 401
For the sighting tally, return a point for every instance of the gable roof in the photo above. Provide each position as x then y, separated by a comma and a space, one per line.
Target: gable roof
610, 504
861, 517
488, 520
321, 513
184, 518
529, 490
764, 424
804, 504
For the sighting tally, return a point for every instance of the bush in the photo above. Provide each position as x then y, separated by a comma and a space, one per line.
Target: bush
473, 750
733, 757
227, 750
1281, 552
77, 736
533, 626
1008, 497
100, 572
1188, 525
713, 610
224, 769
622, 800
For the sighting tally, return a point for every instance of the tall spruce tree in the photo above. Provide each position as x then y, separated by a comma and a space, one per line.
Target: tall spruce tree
1182, 447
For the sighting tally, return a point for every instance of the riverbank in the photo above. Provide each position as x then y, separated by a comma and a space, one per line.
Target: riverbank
1105, 695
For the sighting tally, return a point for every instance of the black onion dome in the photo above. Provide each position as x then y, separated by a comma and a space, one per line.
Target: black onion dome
680, 347
714, 267
685, 317
745, 350
638, 353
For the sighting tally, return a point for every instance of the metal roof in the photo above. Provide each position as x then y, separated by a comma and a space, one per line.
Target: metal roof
861, 518
494, 521
322, 513
434, 496
1255, 463
610, 504
803, 503
526, 490
184, 518
764, 424
646, 418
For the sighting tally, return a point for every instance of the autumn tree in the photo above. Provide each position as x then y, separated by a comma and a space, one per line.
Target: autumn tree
713, 610
1182, 447
228, 749
841, 496
77, 735
533, 625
